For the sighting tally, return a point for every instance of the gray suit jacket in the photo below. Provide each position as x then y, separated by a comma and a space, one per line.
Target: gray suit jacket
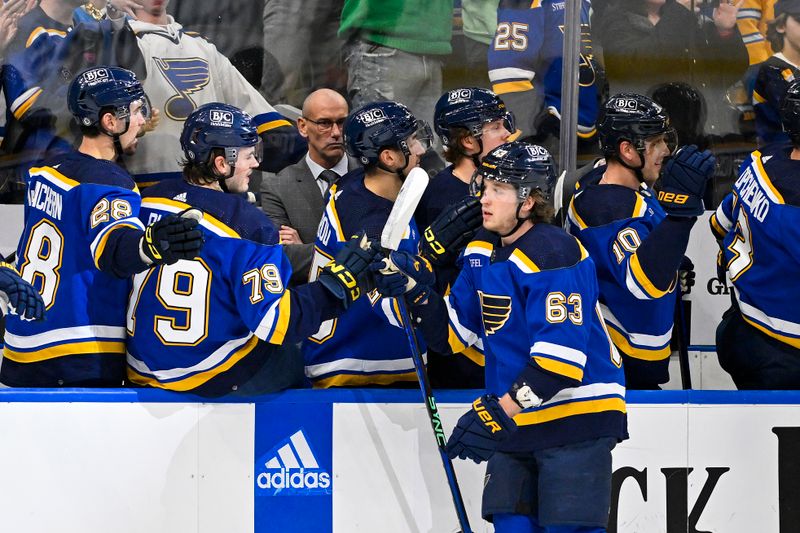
292, 198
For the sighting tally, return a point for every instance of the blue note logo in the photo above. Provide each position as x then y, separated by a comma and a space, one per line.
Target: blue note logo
186, 77
292, 469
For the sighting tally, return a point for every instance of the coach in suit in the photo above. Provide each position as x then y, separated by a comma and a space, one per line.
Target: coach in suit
294, 199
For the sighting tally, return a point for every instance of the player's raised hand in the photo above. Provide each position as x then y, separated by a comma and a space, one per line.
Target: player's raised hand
173, 237
404, 273
19, 296
443, 240
480, 430
346, 275
10, 13
118, 8
684, 180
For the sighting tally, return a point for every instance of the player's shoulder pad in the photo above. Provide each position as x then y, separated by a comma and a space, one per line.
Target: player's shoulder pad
598, 205
483, 243
91, 171
782, 171
546, 247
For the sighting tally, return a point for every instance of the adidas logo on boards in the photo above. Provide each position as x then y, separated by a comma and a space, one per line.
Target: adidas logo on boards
294, 469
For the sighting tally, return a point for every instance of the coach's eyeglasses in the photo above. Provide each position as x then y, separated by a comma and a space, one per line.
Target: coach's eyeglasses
324, 125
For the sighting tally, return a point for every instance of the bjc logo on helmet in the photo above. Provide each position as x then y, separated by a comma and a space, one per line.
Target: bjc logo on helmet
372, 116
96, 74
459, 94
222, 117
626, 103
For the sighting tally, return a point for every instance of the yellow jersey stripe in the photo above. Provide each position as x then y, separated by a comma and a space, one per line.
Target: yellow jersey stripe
355, 380
548, 414
61, 350
98, 253
272, 124
197, 379
456, 344
26, 105
474, 355
282, 321
207, 219
791, 341
765, 178
621, 342
642, 279
512, 87
557, 367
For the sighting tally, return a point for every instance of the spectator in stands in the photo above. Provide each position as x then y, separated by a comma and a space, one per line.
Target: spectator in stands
394, 51
758, 224
294, 199
301, 49
752, 21
776, 73
468, 66
648, 43
527, 50
184, 71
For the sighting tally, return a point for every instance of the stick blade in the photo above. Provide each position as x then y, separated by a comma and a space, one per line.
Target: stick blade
404, 207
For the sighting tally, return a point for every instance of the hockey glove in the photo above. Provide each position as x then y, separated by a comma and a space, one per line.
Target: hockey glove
173, 237
346, 275
404, 273
18, 296
686, 275
481, 430
443, 240
684, 182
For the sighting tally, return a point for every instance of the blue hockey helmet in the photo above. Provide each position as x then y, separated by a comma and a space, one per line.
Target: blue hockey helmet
218, 125
469, 108
380, 125
634, 118
99, 89
527, 167
790, 112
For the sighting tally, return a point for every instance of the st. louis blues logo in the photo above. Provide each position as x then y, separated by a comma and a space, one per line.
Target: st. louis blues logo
495, 311
186, 76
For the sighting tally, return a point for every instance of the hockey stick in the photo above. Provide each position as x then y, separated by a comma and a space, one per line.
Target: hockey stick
393, 232
683, 341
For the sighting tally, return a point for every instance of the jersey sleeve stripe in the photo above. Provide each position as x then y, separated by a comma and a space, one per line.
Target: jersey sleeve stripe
358, 380
566, 353
621, 341
559, 367
64, 334
716, 228
512, 87
638, 339
510, 73
474, 355
61, 350
98, 246
479, 248
758, 99
25, 101
272, 124
460, 337
282, 322
638, 282
41, 30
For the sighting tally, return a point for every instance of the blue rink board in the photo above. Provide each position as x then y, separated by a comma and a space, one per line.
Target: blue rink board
376, 396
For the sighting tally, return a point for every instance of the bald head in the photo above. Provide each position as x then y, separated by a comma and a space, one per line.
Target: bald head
324, 112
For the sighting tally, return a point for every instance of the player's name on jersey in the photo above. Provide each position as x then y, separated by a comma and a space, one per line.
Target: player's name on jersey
752, 194
45, 199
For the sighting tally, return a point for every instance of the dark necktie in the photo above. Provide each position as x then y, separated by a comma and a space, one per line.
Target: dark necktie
329, 177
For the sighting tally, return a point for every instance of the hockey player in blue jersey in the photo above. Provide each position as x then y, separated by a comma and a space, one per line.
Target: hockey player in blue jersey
470, 122
363, 346
236, 281
525, 66
636, 240
82, 241
758, 224
555, 402
225, 149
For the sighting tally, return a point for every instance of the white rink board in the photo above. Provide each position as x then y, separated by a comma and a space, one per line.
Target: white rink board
73, 464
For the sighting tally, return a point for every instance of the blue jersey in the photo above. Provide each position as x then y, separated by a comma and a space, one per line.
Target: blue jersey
81, 233
363, 346
612, 221
241, 218
759, 224
525, 62
237, 283
534, 302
